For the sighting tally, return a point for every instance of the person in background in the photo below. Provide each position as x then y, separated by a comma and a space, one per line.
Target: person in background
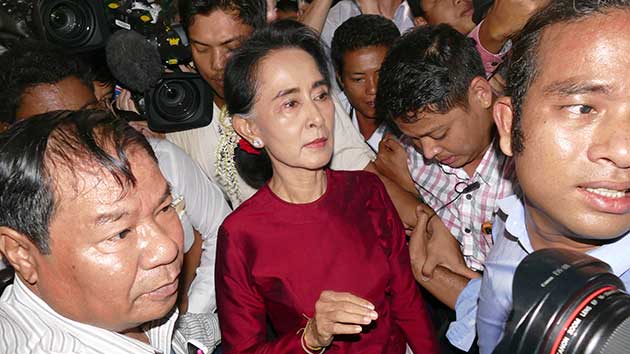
433, 90
358, 49
287, 10
344, 277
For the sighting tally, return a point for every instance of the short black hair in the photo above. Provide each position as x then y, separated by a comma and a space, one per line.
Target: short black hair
241, 82
360, 32
287, 5
31, 63
251, 12
31, 151
415, 6
427, 69
523, 66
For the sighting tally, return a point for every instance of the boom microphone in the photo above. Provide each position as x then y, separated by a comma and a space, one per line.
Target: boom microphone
133, 60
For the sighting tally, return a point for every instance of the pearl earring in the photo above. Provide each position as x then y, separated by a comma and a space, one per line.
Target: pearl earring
257, 143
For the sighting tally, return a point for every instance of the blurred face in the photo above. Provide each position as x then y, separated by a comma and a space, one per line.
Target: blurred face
115, 255
293, 114
575, 166
360, 78
457, 13
458, 138
69, 93
213, 37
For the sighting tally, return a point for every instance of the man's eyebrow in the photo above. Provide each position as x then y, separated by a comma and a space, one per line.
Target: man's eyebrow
112, 217
573, 87
225, 42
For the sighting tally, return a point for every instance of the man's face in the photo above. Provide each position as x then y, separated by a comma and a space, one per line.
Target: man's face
458, 138
115, 254
69, 93
457, 13
213, 37
360, 78
575, 166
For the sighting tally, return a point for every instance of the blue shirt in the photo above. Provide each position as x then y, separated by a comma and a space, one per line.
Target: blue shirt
487, 303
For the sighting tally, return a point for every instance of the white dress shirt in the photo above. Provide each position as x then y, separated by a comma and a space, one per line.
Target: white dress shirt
29, 325
345, 9
205, 210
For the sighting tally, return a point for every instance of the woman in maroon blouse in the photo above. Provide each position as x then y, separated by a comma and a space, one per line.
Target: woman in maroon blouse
319, 253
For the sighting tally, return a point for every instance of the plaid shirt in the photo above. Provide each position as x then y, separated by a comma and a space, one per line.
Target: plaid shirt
464, 217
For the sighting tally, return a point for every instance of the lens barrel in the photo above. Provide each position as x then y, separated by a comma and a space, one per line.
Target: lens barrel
566, 302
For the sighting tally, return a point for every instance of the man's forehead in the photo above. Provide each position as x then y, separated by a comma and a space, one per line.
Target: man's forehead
218, 26
600, 35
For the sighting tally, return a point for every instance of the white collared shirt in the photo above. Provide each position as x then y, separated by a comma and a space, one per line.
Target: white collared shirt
345, 9
376, 137
29, 325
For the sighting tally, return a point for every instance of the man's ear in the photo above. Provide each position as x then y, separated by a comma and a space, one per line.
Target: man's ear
246, 128
339, 81
419, 21
19, 252
503, 117
481, 91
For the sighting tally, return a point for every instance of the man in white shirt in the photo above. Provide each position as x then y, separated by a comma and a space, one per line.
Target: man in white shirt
88, 223
358, 50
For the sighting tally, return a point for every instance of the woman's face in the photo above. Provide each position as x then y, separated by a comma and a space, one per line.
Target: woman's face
293, 112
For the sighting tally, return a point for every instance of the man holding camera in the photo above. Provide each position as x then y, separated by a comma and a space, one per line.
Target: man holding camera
566, 125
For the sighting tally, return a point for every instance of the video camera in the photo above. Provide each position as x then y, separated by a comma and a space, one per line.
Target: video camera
566, 302
142, 40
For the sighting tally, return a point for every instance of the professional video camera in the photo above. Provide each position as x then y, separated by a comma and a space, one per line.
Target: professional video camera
566, 302
142, 41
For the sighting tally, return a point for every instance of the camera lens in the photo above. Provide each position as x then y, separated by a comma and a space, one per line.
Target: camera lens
566, 302
68, 23
177, 100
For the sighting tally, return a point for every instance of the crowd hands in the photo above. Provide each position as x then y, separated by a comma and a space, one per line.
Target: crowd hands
434, 185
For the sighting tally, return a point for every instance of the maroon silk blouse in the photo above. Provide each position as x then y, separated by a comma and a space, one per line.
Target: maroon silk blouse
275, 258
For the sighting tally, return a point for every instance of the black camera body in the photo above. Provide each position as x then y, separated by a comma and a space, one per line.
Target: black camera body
566, 302
84, 25
144, 31
72, 24
180, 101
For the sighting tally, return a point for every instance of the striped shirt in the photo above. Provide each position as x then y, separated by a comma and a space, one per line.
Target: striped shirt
29, 325
469, 214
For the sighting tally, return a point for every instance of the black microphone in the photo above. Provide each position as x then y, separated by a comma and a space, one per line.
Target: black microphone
471, 187
133, 61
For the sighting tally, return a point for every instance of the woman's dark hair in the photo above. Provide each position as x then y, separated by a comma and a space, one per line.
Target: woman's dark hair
523, 64
428, 69
33, 150
241, 83
361, 32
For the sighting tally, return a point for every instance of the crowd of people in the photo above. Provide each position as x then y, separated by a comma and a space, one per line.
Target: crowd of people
373, 174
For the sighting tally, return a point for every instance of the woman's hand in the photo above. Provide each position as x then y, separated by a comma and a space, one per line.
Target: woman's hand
337, 313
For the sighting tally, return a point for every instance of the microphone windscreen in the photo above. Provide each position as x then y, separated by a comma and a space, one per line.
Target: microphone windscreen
133, 60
